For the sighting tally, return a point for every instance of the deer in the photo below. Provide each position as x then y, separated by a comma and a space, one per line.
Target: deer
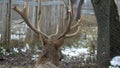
49, 57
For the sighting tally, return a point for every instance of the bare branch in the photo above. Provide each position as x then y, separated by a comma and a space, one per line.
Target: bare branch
21, 22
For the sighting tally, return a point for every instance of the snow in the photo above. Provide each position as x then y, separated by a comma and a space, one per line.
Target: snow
115, 61
16, 50
75, 51
3, 50
25, 48
0, 36
15, 37
19, 30
35, 57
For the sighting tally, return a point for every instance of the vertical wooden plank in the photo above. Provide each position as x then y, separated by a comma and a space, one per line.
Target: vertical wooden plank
5, 21
51, 16
9, 20
1, 21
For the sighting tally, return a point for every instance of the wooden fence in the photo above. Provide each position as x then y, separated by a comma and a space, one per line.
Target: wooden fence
51, 14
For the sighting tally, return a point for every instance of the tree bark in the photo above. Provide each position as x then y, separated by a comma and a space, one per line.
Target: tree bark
114, 30
79, 9
101, 8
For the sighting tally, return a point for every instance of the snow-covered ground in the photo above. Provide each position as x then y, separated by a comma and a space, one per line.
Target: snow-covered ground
115, 62
17, 37
67, 51
0, 36
74, 51
19, 29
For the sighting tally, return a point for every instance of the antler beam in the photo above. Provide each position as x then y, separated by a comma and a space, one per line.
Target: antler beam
67, 30
25, 15
78, 26
56, 33
71, 19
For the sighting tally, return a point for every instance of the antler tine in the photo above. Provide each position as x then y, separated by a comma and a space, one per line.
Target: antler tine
26, 9
69, 27
78, 25
39, 15
25, 15
65, 3
57, 30
73, 34
68, 6
67, 30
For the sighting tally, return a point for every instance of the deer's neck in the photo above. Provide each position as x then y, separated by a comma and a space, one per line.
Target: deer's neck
49, 56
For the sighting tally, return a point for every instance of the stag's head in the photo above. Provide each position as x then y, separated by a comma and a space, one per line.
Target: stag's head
50, 45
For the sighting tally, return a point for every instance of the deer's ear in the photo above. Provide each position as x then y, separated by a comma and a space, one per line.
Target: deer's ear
58, 43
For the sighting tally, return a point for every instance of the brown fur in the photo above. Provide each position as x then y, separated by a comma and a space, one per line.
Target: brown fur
49, 53
50, 57
46, 65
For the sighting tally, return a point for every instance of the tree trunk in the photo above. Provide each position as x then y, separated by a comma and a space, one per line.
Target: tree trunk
79, 9
114, 30
101, 8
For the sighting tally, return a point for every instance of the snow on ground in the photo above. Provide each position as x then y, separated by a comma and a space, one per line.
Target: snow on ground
35, 57
115, 61
75, 51
17, 37
15, 50
0, 35
27, 47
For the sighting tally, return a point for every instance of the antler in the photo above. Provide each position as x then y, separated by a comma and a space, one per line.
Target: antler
25, 15
78, 25
69, 27
56, 33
